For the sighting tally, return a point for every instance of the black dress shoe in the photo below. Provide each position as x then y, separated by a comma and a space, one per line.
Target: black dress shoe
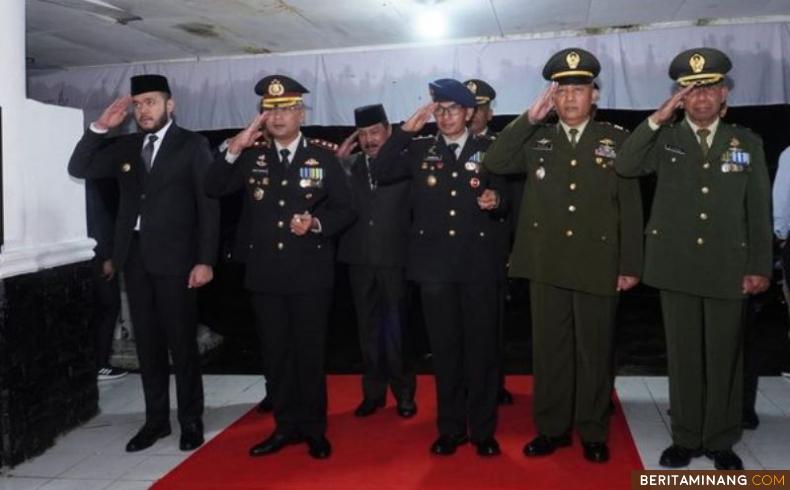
725, 459
545, 445
319, 447
407, 408
750, 420
368, 407
446, 445
504, 397
274, 443
147, 436
596, 452
191, 436
488, 447
265, 405
678, 456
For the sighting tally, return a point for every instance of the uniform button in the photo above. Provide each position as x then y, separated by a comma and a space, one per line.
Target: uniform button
573, 162
281, 203
251, 245
452, 212
705, 190
454, 174
280, 224
571, 208
370, 222
569, 233
482, 233
534, 224
284, 182
252, 180
654, 232
142, 197
603, 238
453, 193
703, 216
421, 232
706, 165
572, 186
700, 241
280, 245
452, 232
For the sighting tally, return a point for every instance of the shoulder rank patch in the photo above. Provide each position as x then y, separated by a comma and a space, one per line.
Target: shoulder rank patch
327, 145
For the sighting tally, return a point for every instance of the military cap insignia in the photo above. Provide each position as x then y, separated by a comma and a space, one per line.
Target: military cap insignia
697, 63
276, 88
472, 86
573, 59
126, 167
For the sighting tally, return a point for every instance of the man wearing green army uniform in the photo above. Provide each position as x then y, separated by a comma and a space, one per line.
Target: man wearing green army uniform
708, 246
579, 241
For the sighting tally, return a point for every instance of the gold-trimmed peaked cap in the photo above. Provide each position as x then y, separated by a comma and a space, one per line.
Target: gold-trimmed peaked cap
572, 66
483, 92
699, 66
279, 91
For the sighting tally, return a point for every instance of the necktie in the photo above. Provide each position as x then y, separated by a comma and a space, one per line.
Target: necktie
148, 152
573, 132
453, 147
370, 177
703, 140
284, 155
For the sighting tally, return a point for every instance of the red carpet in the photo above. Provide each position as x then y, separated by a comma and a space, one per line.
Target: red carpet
385, 452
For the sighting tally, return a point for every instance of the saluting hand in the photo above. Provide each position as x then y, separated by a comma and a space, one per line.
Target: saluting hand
664, 113
624, 283
542, 105
348, 146
247, 136
114, 114
754, 284
200, 275
488, 200
418, 120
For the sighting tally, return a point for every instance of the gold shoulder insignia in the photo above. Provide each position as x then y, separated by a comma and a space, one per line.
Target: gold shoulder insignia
326, 145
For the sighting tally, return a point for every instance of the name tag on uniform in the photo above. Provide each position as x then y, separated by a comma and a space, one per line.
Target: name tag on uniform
543, 145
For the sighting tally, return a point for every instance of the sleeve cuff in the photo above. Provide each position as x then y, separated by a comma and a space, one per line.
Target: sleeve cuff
653, 125
316, 226
98, 130
231, 157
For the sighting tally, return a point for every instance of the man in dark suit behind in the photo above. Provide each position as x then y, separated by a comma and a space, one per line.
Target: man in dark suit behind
166, 237
375, 250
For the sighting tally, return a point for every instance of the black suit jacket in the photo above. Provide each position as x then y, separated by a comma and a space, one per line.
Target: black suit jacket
278, 261
379, 236
179, 224
451, 238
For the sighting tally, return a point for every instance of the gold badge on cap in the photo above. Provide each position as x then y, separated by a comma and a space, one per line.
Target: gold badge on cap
126, 167
258, 194
472, 86
431, 180
573, 60
276, 88
697, 62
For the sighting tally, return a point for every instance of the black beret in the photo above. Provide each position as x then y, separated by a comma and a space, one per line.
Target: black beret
700, 66
279, 91
572, 66
483, 92
369, 115
149, 83
449, 90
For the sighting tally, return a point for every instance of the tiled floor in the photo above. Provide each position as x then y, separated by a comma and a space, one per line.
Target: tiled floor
93, 458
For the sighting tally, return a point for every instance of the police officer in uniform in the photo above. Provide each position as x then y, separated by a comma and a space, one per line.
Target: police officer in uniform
455, 259
297, 203
374, 248
484, 96
708, 246
579, 241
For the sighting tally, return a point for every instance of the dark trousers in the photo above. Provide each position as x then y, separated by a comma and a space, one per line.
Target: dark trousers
106, 307
572, 338
379, 296
705, 363
461, 319
294, 332
164, 316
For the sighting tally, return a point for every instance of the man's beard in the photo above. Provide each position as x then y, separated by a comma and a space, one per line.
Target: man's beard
156, 127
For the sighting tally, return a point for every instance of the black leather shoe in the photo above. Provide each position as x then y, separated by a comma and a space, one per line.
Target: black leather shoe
488, 447
504, 397
750, 420
596, 452
274, 443
319, 448
545, 445
678, 456
368, 407
265, 405
147, 436
446, 445
191, 436
725, 459
407, 408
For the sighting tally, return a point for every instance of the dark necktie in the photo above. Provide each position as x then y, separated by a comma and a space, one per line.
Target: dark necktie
370, 177
573, 132
703, 140
453, 147
148, 152
284, 155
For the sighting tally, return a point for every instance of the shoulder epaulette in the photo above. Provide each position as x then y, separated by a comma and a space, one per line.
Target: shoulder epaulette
485, 137
326, 145
615, 126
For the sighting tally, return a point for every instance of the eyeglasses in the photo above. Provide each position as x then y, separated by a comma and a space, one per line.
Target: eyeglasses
451, 110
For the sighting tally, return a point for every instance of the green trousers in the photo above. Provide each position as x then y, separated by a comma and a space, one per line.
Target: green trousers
572, 342
705, 363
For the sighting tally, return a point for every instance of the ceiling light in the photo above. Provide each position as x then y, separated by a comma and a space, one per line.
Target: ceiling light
431, 24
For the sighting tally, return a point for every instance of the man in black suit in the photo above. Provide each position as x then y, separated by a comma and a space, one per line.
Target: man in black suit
166, 238
456, 257
297, 202
375, 250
